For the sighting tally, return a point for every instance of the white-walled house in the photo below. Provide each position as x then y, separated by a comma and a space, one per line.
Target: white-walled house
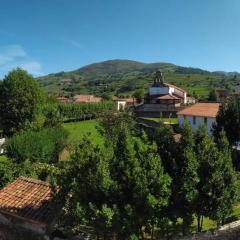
199, 114
123, 102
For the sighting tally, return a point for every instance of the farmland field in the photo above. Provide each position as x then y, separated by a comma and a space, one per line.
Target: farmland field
77, 130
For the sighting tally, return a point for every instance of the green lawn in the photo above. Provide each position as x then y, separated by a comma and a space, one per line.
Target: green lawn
78, 130
164, 120
3, 157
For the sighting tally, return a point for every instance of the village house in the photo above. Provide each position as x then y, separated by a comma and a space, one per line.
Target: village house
199, 114
26, 210
123, 102
163, 99
86, 99
63, 99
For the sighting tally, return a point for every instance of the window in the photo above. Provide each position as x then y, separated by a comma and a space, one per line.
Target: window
194, 120
205, 120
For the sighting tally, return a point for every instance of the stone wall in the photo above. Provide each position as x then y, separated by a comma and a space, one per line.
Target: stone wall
17, 229
229, 231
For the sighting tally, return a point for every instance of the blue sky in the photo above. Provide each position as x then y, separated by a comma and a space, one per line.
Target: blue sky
46, 36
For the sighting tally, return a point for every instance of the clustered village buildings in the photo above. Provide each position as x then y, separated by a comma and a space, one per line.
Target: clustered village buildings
164, 100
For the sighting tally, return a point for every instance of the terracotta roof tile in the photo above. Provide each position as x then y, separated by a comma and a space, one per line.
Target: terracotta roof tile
127, 100
201, 109
27, 198
86, 98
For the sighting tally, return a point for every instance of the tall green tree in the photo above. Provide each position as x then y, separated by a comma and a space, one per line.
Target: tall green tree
213, 95
207, 155
225, 193
86, 176
228, 119
20, 96
164, 138
216, 188
186, 178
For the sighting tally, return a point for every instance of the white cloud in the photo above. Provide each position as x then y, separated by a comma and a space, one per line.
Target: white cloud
33, 67
10, 53
13, 56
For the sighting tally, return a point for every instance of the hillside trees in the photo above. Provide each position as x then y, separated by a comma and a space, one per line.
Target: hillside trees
20, 97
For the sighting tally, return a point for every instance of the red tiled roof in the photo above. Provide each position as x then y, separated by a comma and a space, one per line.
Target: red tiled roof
27, 198
86, 98
62, 99
127, 100
201, 109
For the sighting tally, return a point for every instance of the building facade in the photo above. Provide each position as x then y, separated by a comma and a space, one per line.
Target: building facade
199, 114
162, 100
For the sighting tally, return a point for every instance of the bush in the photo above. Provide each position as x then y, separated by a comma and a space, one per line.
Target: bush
37, 146
7, 172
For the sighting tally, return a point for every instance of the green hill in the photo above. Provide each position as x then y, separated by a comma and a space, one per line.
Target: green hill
122, 77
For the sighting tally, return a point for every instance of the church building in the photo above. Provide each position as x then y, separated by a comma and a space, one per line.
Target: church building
162, 100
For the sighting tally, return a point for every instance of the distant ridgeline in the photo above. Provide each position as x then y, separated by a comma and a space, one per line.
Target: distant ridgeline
123, 77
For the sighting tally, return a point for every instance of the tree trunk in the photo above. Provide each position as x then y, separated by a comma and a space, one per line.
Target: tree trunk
152, 232
199, 223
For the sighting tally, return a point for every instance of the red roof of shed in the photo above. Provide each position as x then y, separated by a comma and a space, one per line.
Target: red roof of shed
29, 199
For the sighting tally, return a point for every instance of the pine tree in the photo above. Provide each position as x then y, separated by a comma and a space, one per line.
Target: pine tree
228, 119
225, 193
216, 189
141, 186
186, 178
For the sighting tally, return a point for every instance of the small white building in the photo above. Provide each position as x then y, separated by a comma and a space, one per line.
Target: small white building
2, 141
199, 114
123, 102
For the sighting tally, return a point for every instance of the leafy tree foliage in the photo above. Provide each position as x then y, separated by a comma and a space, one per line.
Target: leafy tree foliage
72, 111
228, 119
20, 96
186, 178
117, 192
225, 195
7, 172
139, 95
37, 146
164, 138
213, 96
216, 176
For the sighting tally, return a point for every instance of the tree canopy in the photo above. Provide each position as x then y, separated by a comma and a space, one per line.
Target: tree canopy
20, 97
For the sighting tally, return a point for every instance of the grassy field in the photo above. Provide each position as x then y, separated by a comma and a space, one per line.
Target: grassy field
78, 130
164, 120
3, 157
